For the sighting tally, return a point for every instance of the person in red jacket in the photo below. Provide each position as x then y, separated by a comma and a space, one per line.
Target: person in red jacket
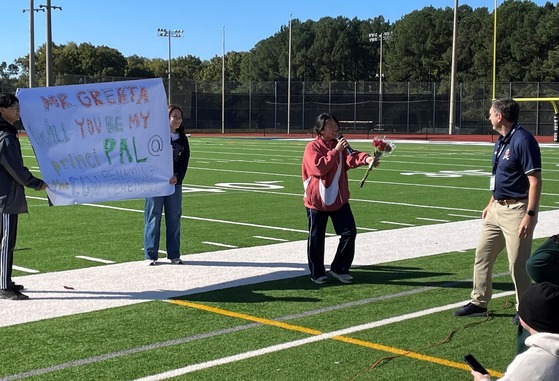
325, 164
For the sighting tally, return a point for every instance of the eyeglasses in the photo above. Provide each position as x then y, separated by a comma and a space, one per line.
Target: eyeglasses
15, 106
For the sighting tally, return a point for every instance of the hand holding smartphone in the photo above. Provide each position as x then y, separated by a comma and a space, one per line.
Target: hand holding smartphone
475, 365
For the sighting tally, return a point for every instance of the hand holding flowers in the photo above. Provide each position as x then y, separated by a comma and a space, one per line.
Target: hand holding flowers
380, 147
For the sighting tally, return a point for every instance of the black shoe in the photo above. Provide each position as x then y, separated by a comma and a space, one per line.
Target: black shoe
470, 310
515, 319
16, 287
12, 295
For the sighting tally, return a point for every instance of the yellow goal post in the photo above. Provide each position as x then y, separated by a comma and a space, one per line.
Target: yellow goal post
553, 101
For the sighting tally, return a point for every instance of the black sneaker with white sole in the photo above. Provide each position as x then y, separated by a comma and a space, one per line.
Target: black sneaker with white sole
470, 310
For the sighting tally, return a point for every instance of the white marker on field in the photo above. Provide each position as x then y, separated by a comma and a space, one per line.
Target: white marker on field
431, 219
220, 244
396, 223
25, 270
270, 238
94, 259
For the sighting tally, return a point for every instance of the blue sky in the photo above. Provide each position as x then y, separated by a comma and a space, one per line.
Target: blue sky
130, 26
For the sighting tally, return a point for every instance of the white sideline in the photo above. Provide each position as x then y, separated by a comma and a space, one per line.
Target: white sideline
107, 286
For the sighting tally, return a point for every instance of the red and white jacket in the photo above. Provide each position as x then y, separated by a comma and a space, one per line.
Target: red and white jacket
325, 174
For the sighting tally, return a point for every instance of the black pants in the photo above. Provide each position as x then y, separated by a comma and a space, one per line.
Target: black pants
8, 234
344, 226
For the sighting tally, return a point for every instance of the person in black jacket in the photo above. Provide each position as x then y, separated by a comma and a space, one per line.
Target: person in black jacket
542, 266
173, 203
14, 176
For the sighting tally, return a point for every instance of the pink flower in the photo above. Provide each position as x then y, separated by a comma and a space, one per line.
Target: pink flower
380, 147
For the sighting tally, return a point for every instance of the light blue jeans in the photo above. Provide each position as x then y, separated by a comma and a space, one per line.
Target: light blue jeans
153, 212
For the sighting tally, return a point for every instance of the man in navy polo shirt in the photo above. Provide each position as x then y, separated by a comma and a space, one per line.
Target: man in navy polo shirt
512, 213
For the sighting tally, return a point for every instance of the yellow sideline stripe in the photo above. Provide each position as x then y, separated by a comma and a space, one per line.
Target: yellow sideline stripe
291, 327
220, 311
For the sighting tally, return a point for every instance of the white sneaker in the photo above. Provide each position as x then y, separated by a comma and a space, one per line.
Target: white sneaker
176, 261
321, 280
344, 278
151, 262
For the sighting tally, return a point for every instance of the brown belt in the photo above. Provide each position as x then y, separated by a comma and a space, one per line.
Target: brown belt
507, 202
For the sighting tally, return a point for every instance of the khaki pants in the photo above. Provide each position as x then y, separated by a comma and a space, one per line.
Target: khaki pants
500, 230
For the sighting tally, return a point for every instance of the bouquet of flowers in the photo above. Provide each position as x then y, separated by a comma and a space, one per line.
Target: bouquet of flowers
380, 147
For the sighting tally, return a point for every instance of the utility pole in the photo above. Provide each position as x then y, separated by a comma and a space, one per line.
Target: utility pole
32, 11
373, 37
453, 72
162, 32
289, 80
223, 83
48, 49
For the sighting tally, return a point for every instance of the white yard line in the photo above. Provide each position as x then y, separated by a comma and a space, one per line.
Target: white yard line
431, 219
25, 269
464, 216
308, 340
95, 259
396, 223
271, 238
219, 244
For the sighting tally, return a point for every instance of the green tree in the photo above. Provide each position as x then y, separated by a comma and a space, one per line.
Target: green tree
138, 67
474, 54
7, 71
186, 67
419, 46
101, 61
211, 71
547, 31
519, 47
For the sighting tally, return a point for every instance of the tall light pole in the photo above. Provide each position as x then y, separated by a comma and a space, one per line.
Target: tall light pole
48, 49
223, 83
453, 72
162, 32
494, 87
32, 11
289, 79
373, 37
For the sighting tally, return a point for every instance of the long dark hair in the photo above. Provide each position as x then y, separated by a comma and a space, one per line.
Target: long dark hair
173, 107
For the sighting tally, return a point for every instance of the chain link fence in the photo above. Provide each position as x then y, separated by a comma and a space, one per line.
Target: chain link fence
420, 108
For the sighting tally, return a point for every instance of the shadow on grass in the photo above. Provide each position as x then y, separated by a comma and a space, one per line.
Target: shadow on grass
385, 275
410, 276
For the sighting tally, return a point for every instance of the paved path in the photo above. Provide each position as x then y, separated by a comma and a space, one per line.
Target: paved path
85, 290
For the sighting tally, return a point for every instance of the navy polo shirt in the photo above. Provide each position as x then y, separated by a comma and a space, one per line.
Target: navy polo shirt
516, 155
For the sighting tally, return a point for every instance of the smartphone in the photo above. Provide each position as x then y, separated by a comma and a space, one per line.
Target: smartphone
474, 364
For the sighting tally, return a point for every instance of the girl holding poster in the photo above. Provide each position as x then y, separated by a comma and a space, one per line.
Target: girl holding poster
173, 203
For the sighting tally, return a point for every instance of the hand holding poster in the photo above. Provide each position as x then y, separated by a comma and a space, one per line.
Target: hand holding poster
100, 142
